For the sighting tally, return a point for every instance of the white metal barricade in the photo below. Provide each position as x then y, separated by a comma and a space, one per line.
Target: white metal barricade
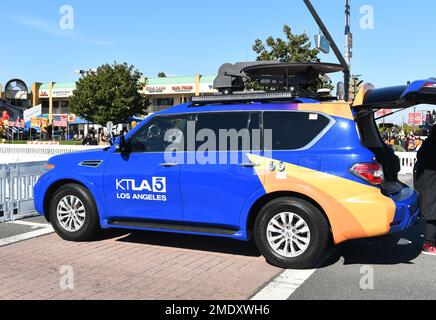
408, 161
18, 179
50, 150
16, 190
4, 191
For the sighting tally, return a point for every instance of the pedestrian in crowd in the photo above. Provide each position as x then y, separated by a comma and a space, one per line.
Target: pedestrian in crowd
429, 120
411, 146
102, 141
404, 142
418, 144
90, 139
425, 184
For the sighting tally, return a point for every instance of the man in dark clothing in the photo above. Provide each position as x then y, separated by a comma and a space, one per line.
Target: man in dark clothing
425, 184
429, 120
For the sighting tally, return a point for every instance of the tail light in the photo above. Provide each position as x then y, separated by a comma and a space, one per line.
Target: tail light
429, 85
370, 172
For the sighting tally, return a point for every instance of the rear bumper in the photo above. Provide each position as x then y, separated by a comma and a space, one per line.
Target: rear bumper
407, 210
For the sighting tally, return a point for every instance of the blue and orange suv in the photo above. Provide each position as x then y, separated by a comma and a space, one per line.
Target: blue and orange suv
320, 171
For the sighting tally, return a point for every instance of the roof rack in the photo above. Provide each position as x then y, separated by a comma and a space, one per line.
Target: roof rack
246, 97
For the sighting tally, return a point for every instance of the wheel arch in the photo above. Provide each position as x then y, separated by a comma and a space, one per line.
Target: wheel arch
264, 200
52, 189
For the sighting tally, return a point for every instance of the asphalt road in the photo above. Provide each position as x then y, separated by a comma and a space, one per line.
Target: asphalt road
8, 230
370, 269
375, 269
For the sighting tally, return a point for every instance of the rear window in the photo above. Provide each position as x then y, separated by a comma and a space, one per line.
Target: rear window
293, 130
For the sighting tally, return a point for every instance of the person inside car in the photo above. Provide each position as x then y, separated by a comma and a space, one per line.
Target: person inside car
425, 184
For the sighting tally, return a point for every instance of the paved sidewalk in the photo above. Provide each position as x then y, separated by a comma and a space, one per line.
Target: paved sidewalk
140, 265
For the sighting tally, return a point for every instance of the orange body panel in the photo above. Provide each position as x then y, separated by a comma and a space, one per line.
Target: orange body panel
354, 210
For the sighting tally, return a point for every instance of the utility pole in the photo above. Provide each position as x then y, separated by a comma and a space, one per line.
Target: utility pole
348, 34
348, 46
339, 56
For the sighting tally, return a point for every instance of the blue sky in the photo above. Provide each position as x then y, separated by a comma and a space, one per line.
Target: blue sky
190, 37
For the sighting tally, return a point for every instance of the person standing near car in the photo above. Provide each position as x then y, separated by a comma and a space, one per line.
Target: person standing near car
425, 184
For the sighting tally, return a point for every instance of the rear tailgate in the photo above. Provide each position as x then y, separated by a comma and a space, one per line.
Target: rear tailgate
367, 102
399, 97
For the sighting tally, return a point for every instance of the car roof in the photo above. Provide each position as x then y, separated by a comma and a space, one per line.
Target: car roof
256, 106
335, 109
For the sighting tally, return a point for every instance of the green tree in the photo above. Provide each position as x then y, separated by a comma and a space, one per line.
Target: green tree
294, 48
111, 93
161, 75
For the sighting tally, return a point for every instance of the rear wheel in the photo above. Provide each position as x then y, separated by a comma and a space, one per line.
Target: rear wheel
291, 233
73, 213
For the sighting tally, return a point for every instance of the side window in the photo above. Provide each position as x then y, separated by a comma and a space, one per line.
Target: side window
293, 130
160, 133
226, 131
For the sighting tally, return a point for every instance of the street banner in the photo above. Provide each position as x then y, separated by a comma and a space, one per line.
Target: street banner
60, 120
17, 124
383, 112
415, 118
34, 112
37, 123
71, 118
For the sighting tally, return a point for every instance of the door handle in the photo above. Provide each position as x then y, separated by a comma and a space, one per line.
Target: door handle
169, 165
249, 165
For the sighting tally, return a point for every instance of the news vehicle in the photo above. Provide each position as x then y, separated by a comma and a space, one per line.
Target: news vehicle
321, 173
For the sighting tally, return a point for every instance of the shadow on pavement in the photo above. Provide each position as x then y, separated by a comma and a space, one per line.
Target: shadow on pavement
395, 249
182, 241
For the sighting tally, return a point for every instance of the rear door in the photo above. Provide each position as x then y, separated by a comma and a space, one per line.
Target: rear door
219, 178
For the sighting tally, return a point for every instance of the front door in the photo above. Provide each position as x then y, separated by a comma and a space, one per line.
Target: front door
142, 184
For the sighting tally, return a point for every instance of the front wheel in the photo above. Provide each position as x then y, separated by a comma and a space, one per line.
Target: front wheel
74, 214
291, 233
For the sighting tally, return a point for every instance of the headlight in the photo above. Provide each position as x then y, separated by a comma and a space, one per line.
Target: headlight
46, 168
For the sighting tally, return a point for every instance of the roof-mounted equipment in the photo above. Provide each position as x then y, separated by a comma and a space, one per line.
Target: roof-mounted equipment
281, 81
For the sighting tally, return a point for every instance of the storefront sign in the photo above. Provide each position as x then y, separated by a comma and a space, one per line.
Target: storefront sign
155, 89
186, 89
57, 93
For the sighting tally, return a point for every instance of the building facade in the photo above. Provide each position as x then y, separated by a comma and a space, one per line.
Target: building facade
167, 92
54, 97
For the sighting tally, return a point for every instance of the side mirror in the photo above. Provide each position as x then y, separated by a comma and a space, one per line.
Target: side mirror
122, 145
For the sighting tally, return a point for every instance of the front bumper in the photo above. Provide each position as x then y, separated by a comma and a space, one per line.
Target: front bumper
407, 210
39, 192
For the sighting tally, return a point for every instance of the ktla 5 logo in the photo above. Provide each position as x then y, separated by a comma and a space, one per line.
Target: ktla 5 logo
158, 185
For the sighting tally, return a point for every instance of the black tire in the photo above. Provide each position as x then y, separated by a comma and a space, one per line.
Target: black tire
91, 224
314, 219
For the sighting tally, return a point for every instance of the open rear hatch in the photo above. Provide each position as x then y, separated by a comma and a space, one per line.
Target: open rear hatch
368, 101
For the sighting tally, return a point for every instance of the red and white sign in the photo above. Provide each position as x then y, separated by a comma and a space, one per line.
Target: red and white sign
383, 112
415, 118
